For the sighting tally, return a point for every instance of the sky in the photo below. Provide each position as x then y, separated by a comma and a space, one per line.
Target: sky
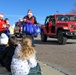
15, 9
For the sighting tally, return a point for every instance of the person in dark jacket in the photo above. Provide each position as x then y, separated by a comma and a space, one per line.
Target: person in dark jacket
9, 52
29, 18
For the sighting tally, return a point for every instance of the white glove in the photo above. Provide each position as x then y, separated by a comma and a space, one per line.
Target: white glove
4, 26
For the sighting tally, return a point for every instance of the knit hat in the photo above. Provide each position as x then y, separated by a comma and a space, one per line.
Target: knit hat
3, 39
2, 15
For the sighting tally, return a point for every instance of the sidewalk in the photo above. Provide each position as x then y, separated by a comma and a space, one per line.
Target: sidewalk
46, 70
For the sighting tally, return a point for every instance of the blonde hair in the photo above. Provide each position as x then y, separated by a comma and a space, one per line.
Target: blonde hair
26, 51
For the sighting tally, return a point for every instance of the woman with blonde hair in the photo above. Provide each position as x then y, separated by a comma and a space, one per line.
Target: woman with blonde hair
24, 58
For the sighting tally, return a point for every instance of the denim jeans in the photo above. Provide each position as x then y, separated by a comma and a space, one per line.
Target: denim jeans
32, 36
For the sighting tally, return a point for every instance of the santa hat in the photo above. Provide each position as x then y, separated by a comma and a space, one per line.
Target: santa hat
3, 39
1, 15
30, 13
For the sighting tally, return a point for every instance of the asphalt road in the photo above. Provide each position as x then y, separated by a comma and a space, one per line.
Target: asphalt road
60, 57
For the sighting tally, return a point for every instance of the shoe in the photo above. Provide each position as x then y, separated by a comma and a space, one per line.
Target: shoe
33, 45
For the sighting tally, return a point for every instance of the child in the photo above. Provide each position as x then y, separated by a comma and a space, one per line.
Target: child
24, 58
9, 51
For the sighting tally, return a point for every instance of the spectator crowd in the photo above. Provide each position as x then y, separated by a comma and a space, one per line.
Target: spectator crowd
18, 57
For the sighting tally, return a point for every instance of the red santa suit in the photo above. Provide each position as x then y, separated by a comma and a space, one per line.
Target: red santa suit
2, 23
